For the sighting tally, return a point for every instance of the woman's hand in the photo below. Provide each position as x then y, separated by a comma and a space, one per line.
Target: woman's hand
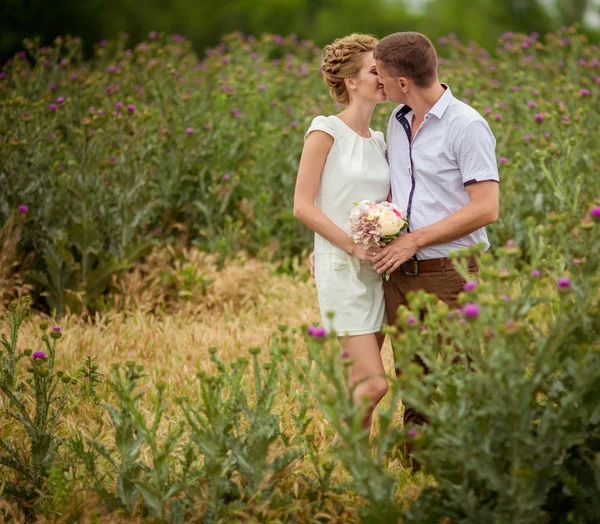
365, 254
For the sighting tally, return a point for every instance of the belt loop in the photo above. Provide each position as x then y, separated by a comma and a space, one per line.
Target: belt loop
443, 264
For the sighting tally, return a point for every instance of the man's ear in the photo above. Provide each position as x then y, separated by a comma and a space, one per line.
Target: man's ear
403, 83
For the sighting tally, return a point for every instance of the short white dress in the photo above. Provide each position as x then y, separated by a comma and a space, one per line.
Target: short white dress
356, 169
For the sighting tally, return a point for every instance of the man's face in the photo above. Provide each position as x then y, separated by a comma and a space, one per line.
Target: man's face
390, 84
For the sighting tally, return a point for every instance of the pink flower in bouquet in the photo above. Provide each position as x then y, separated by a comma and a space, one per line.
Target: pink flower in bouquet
372, 222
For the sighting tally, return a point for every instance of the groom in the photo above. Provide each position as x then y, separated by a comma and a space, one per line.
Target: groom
444, 174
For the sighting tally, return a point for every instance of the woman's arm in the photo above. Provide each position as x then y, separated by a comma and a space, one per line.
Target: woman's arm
314, 155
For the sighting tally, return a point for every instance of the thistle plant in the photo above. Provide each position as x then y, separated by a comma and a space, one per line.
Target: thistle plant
36, 402
89, 377
514, 432
9, 356
123, 458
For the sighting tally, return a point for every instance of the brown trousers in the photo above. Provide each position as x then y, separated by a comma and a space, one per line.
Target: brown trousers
446, 285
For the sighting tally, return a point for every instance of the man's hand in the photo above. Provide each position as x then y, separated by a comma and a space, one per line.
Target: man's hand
395, 253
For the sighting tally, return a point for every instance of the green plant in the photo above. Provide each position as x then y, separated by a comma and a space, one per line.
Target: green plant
89, 377
35, 403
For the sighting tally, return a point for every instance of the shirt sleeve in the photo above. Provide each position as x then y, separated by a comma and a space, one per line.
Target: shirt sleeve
476, 153
321, 123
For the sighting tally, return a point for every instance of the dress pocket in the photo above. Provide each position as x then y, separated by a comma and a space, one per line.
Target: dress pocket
340, 260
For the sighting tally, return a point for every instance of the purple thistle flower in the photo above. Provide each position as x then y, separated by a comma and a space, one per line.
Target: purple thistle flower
226, 60
539, 117
64, 62
471, 310
566, 119
503, 160
60, 100
294, 124
131, 108
73, 76
317, 331
411, 320
53, 107
261, 87
119, 105
111, 69
235, 113
563, 283
532, 103
112, 159
208, 127
576, 261
153, 35
498, 117
584, 92
225, 177
535, 273
23, 209
56, 329
103, 43
595, 213
412, 433
189, 131
470, 285
39, 354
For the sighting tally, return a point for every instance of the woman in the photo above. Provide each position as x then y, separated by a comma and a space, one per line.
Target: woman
343, 162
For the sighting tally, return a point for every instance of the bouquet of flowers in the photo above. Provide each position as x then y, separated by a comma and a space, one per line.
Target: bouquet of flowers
374, 222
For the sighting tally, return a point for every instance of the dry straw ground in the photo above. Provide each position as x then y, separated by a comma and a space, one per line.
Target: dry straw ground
166, 315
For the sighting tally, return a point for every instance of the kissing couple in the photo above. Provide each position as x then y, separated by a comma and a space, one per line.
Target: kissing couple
437, 163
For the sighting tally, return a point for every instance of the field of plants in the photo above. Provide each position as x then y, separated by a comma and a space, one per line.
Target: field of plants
155, 362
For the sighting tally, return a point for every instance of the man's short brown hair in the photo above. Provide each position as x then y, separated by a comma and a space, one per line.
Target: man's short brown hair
409, 54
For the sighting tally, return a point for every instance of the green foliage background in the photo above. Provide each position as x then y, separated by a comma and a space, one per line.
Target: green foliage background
205, 22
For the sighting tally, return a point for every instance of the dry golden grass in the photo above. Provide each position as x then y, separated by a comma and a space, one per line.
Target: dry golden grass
170, 335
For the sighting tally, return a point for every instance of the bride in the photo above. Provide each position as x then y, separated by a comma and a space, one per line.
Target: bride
343, 162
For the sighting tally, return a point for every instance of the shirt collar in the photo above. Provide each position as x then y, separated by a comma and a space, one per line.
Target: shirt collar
438, 109
442, 104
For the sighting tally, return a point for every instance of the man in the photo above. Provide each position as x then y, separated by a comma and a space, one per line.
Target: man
444, 174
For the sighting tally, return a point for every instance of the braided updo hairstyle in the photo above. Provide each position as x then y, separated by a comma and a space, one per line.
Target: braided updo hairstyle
342, 59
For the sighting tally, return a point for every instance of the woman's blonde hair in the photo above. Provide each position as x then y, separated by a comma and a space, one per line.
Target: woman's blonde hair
342, 59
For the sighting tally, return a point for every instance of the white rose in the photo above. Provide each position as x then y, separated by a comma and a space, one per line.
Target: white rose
389, 222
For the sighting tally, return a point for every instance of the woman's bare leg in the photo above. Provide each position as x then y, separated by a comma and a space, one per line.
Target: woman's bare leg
367, 374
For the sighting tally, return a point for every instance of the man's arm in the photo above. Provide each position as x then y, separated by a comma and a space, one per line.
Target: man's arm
479, 212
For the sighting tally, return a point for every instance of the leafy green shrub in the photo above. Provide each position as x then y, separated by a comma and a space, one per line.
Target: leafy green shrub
154, 145
35, 403
513, 433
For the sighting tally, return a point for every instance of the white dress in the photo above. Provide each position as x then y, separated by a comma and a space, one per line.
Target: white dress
356, 169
